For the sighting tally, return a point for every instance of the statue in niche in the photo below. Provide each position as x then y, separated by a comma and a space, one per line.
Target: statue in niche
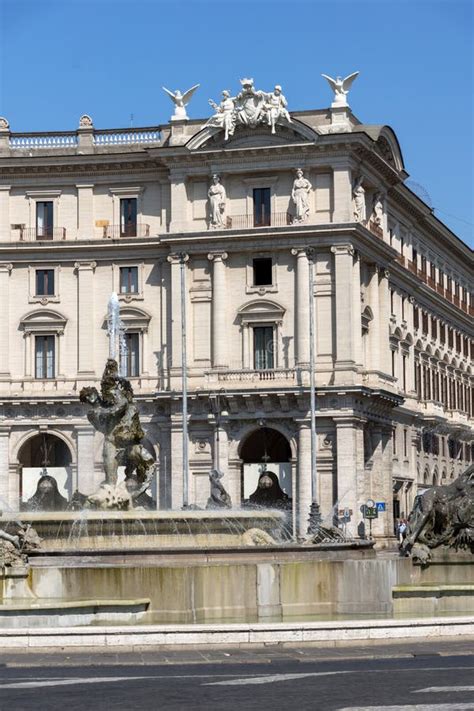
47, 496
442, 515
340, 88
300, 196
358, 194
275, 107
225, 114
378, 209
114, 414
219, 498
180, 102
217, 202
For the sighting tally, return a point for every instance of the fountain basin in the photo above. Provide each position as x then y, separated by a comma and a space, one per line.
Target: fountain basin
137, 529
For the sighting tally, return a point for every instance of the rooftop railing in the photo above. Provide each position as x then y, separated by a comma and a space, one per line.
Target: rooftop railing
51, 141
117, 137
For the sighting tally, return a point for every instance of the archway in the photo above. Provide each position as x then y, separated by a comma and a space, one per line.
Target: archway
265, 448
44, 451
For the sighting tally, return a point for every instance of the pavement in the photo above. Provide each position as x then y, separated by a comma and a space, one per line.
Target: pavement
421, 675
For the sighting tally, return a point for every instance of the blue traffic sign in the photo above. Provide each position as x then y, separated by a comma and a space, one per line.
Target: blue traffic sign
380, 505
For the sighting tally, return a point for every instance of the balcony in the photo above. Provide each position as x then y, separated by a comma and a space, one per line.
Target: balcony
244, 376
118, 231
243, 222
33, 234
429, 281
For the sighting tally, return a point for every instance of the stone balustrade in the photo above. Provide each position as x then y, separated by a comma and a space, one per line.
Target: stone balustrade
49, 141
257, 376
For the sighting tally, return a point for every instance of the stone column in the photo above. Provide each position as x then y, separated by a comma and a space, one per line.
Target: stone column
348, 440
5, 271
387, 480
303, 487
302, 308
384, 300
345, 314
342, 193
86, 479
5, 233
85, 211
179, 201
357, 311
4, 463
381, 485
85, 310
175, 308
219, 315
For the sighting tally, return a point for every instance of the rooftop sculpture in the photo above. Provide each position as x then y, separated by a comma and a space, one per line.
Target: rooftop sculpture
180, 102
251, 108
341, 88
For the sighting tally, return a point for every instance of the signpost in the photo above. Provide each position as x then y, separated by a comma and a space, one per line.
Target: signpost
370, 511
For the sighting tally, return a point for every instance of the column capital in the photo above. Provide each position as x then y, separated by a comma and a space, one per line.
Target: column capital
302, 251
178, 258
217, 256
6, 267
340, 249
85, 266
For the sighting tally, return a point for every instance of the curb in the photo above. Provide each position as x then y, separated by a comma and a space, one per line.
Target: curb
113, 637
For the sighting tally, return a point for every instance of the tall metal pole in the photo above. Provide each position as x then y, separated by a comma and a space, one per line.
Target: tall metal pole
183, 258
314, 520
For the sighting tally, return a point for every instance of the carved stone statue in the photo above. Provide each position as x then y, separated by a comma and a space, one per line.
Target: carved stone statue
219, 498
442, 515
276, 108
358, 194
114, 414
378, 209
180, 102
251, 108
217, 202
85, 121
300, 196
4, 125
225, 114
269, 494
14, 546
340, 88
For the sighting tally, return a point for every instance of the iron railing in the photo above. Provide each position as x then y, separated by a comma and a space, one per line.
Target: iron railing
118, 231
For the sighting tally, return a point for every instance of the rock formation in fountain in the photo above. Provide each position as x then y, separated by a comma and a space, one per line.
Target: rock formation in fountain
14, 546
442, 516
114, 413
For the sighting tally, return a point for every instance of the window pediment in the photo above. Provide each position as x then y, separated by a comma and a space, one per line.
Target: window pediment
133, 319
260, 310
43, 321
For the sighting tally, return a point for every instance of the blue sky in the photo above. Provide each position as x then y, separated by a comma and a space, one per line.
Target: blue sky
110, 58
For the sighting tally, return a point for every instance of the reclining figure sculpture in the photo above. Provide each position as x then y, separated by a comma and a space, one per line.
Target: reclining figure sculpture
442, 516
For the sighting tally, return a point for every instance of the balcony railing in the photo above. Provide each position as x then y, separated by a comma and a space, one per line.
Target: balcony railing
257, 376
429, 281
118, 231
242, 222
32, 234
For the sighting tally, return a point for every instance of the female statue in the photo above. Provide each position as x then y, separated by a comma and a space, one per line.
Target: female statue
359, 201
300, 196
217, 198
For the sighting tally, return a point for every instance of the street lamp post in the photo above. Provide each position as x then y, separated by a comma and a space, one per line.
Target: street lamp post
183, 258
314, 520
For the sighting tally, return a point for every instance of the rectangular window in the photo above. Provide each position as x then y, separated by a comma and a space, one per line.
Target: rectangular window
405, 443
391, 301
263, 347
442, 333
44, 357
129, 280
423, 265
403, 307
424, 323
130, 359
433, 271
456, 290
414, 256
262, 271
449, 285
128, 217
44, 282
458, 343
261, 207
434, 327
44, 220
440, 277
394, 442
416, 317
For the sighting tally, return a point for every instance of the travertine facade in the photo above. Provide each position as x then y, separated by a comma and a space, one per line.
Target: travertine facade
90, 212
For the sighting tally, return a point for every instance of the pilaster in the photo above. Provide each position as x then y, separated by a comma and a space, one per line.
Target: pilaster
5, 272
303, 487
179, 201
85, 334
349, 437
5, 234
345, 314
85, 211
176, 260
302, 307
86, 479
342, 187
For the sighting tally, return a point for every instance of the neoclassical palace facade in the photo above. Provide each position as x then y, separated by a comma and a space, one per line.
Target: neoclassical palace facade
218, 208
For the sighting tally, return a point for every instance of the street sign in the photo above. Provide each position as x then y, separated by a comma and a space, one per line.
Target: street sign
380, 505
370, 511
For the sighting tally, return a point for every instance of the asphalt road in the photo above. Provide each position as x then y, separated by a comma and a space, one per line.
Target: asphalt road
421, 681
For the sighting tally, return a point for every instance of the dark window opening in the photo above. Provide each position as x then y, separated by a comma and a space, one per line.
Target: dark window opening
262, 271
44, 357
130, 359
129, 280
261, 207
263, 347
128, 217
44, 220
44, 282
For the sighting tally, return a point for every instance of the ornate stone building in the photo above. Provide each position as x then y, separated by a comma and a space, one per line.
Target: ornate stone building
138, 211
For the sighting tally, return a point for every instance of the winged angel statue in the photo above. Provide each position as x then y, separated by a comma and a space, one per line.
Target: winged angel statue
340, 88
180, 101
